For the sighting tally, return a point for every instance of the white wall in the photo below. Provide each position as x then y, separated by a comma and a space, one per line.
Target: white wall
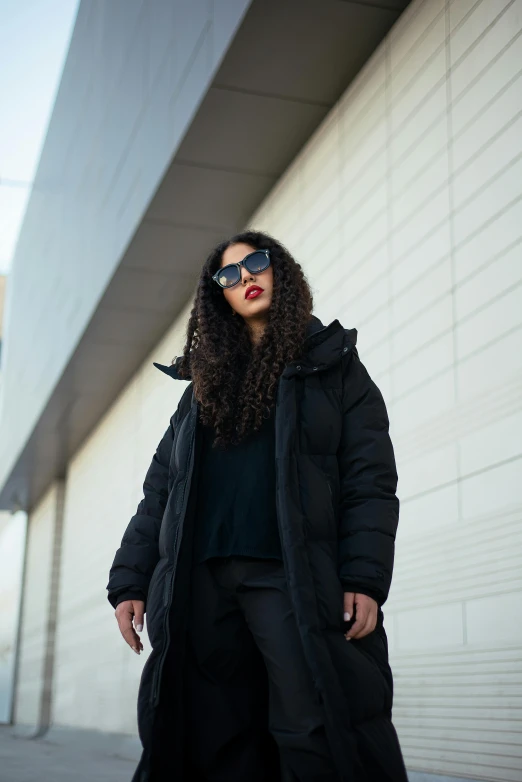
133, 79
13, 528
35, 610
406, 210
96, 672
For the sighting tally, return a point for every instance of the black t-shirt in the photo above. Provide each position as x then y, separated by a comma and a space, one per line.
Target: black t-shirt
236, 500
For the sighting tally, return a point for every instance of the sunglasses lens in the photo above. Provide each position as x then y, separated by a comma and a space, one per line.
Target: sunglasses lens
228, 275
257, 262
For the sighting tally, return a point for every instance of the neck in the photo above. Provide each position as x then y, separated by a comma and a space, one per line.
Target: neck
256, 327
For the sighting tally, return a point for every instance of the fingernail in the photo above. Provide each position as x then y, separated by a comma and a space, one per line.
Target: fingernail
346, 616
134, 649
139, 628
347, 638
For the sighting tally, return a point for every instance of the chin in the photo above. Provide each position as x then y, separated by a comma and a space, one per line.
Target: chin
257, 311
258, 305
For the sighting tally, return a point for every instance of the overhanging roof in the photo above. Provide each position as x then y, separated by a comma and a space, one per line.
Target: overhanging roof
286, 67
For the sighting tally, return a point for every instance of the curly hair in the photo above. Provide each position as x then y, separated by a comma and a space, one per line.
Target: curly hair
234, 380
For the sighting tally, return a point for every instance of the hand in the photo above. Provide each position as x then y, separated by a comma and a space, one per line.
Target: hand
124, 613
366, 619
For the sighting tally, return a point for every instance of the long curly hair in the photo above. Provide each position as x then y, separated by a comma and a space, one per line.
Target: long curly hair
235, 380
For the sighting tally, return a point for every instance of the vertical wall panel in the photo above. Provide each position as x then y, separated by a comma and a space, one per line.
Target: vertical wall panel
418, 221
404, 209
94, 666
134, 76
35, 610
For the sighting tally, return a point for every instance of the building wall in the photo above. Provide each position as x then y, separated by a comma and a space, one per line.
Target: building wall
3, 285
35, 611
13, 528
135, 74
96, 673
405, 211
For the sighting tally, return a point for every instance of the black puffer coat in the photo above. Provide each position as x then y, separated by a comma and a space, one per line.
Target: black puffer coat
337, 514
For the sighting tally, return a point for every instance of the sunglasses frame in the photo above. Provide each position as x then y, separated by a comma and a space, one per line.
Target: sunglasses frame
239, 264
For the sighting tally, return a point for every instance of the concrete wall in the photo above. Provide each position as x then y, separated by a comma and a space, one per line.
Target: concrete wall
134, 76
36, 596
97, 674
3, 286
404, 210
13, 528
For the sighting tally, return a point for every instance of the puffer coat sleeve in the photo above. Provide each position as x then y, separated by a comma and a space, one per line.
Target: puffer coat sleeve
369, 507
138, 554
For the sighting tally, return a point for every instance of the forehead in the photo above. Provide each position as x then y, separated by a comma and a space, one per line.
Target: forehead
236, 253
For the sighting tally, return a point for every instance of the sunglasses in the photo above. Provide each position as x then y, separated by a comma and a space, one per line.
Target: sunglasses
254, 262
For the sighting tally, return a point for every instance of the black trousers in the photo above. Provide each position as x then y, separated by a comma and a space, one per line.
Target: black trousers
244, 648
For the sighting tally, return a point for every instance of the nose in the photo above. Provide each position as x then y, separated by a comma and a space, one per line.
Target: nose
246, 276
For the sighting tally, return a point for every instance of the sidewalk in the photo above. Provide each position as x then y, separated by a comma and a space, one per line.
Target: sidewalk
65, 755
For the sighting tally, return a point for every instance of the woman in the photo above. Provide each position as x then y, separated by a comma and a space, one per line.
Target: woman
263, 548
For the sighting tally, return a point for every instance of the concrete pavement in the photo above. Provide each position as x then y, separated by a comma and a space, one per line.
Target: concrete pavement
65, 755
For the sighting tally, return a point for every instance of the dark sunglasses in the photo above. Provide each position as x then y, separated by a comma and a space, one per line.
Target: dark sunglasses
254, 262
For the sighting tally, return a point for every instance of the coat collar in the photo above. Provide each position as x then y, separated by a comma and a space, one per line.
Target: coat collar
323, 346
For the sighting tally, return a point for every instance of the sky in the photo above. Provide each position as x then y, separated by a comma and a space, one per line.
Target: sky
34, 40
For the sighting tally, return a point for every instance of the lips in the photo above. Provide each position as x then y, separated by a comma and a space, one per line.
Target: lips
253, 291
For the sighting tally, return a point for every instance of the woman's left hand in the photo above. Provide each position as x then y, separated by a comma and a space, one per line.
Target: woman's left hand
366, 614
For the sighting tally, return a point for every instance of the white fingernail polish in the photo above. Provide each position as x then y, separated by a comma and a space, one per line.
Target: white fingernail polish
346, 616
139, 628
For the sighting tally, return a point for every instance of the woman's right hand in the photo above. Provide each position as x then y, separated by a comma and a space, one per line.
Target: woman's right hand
124, 613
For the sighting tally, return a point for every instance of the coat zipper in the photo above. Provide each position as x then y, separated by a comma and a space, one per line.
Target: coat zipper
169, 591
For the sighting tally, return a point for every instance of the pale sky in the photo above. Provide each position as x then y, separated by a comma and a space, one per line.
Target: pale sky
34, 39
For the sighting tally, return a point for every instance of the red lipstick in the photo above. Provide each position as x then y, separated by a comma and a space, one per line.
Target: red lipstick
253, 291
